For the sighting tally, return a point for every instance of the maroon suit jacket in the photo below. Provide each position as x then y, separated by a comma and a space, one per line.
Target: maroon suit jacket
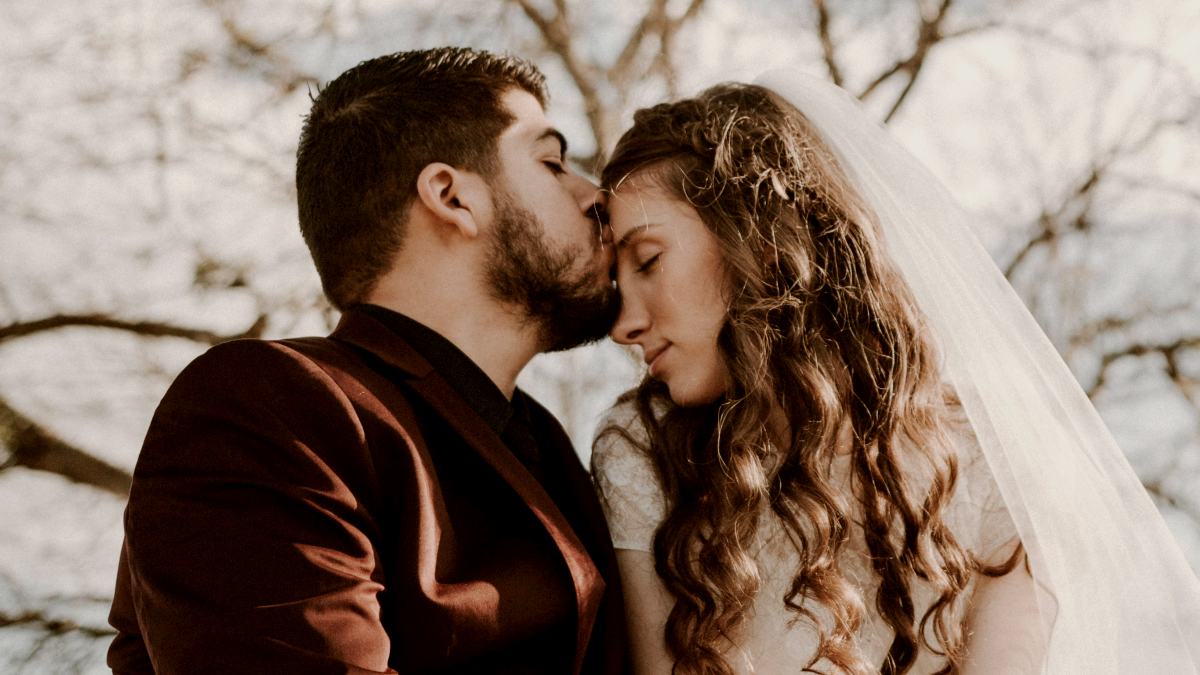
332, 505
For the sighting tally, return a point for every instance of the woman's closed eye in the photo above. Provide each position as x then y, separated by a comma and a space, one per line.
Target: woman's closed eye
648, 264
555, 166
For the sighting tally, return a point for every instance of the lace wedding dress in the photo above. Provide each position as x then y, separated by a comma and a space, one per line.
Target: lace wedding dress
773, 638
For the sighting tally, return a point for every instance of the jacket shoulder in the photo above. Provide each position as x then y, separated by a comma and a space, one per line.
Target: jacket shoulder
258, 365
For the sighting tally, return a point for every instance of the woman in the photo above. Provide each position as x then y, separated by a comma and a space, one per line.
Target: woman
854, 450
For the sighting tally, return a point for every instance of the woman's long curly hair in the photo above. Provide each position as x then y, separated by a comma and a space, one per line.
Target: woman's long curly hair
821, 327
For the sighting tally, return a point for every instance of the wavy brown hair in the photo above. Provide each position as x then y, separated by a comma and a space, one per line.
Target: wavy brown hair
822, 328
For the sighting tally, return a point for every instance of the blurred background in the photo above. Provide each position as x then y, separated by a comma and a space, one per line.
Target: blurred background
147, 209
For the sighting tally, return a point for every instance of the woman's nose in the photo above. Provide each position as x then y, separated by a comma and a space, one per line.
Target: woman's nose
631, 323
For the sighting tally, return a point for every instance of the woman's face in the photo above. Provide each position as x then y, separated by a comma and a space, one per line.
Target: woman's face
672, 282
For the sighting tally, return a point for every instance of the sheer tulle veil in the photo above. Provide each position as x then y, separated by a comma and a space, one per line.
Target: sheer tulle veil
1119, 595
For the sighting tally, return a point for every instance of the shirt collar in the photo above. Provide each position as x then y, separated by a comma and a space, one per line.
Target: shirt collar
463, 374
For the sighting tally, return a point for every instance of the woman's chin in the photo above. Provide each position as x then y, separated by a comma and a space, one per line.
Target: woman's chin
686, 396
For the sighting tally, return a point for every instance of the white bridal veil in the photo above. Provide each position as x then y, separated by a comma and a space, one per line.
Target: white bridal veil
1121, 598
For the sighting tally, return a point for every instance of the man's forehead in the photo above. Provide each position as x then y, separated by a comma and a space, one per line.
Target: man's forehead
529, 119
530, 125
522, 103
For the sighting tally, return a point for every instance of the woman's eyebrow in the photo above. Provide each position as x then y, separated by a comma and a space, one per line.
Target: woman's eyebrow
633, 233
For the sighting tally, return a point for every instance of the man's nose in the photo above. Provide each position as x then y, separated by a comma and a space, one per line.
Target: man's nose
597, 211
604, 239
587, 194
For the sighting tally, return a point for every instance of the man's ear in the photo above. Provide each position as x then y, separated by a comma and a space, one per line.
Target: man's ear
459, 198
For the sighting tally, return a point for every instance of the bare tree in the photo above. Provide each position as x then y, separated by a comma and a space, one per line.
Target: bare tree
201, 99
648, 50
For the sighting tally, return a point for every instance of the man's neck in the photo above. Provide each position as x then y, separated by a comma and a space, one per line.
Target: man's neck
494, 337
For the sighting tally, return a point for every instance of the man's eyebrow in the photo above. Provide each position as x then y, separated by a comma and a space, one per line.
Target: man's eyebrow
632, 233
551, 132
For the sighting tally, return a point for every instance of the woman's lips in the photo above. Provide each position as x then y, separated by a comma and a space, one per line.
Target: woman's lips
654, 359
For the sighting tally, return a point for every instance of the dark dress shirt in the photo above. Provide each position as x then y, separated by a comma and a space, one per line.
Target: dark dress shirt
509, 419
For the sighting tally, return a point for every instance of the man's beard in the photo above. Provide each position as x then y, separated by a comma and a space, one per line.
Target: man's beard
523, 271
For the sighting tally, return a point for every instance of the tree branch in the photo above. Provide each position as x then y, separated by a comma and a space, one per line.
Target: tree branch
828, 49
883, 77
1169, 350
929, 33
35, 447
1185, 384
1047, 232
556, 33
653, 19
1114, 324
1051, 223
1158, 184
52, 626
908, 87
143, 328
1155, 488
282, 70
662, 59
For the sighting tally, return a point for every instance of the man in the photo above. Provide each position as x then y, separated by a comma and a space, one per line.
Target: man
385, 499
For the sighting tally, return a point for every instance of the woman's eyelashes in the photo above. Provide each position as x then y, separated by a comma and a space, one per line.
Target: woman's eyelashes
555, 166
648, 264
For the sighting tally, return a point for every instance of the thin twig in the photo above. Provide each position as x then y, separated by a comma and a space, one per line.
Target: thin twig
828, 49
929, 33
51, 625
556, 34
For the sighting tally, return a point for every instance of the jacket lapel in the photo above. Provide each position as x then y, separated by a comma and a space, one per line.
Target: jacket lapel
607, 633
364, 331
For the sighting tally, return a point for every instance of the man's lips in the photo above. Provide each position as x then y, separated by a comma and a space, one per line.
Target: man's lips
652, 356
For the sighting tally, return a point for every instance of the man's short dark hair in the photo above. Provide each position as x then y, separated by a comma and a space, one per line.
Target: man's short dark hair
370, 133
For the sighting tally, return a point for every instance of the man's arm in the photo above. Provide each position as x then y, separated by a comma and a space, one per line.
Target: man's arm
249, 532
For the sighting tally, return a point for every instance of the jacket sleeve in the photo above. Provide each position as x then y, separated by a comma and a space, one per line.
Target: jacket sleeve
249, 539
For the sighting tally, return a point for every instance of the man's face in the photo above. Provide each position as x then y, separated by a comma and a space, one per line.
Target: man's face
546, 254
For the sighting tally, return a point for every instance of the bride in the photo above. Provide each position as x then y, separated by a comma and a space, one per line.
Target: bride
854, 450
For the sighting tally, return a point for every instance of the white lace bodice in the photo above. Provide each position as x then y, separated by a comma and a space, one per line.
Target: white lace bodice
772, 640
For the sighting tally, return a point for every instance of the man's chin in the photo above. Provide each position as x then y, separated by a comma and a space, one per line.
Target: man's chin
580, 320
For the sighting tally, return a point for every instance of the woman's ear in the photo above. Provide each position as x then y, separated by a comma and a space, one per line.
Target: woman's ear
457, 198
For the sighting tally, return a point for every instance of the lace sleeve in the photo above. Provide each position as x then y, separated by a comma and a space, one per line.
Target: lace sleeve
982, 512
626, 481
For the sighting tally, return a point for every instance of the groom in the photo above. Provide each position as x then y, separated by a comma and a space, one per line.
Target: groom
385, 499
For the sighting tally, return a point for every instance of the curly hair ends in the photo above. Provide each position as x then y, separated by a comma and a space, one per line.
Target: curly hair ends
822, 328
